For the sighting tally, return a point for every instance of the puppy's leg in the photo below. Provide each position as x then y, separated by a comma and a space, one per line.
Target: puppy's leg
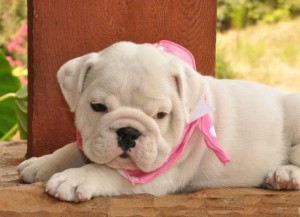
292, 119
294, 156
42, 168
286, 177
92, 180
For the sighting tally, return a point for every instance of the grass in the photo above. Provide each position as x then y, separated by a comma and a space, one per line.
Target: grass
268, 54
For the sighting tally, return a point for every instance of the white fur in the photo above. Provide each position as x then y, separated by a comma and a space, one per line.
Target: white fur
257, 126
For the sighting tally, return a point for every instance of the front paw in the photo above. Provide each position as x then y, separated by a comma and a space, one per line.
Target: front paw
71, 185
36, 169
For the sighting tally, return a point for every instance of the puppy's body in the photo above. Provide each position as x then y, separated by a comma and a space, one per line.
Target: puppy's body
254, 118
257, 126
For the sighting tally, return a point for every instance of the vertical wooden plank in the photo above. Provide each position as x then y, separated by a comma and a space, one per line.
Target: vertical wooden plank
30, 78
64, 29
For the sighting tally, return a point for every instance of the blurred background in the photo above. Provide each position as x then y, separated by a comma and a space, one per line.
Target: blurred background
259, 40
13, 69
256, 40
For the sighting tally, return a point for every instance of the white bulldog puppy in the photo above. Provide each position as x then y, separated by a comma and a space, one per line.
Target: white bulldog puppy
146, 122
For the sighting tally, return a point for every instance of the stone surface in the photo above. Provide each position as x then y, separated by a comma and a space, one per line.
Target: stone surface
17, 199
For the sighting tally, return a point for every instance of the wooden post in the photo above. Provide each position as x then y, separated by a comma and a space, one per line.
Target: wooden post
64, 29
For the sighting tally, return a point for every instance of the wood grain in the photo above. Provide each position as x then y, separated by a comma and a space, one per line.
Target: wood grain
64, 29
30, 200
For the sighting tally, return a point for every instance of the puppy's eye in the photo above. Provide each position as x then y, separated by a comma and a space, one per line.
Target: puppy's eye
161, 115
98, 107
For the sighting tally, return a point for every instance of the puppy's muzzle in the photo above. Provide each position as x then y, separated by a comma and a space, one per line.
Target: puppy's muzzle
126, 138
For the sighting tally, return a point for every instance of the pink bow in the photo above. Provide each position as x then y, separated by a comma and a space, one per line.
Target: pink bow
177, 50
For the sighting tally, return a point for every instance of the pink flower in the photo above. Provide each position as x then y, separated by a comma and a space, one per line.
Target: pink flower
24, 80
18, 63
18, 46
10, 60
11, 46
13, 62
24, 30
19, 40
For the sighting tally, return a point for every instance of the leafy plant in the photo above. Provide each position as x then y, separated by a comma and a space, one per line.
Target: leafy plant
241, 13
222, 68
13, 103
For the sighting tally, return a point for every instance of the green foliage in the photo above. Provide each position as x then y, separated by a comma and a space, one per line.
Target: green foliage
223, 69
13, 43
13, 103
9, 84
21, 110
242, 13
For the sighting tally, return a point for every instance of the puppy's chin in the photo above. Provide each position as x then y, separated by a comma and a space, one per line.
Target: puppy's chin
122, 163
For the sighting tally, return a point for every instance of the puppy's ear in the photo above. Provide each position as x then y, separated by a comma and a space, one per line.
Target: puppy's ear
72, 75
189, 87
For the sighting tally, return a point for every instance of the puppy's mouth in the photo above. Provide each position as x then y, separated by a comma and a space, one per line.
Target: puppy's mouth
124, 155
123, 161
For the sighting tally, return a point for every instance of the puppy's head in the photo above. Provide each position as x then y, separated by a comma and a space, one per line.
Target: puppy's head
131, 103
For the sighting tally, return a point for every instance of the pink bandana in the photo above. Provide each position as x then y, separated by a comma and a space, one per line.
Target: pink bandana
177, 50
201, 121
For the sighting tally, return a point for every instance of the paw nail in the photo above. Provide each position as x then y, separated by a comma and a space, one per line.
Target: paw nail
80, 198
278, 179
21, 178
56, 195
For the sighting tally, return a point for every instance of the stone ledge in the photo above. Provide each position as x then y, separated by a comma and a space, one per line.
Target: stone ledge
18, 199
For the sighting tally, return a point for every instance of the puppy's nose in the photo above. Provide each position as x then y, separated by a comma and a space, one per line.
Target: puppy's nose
127, 137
